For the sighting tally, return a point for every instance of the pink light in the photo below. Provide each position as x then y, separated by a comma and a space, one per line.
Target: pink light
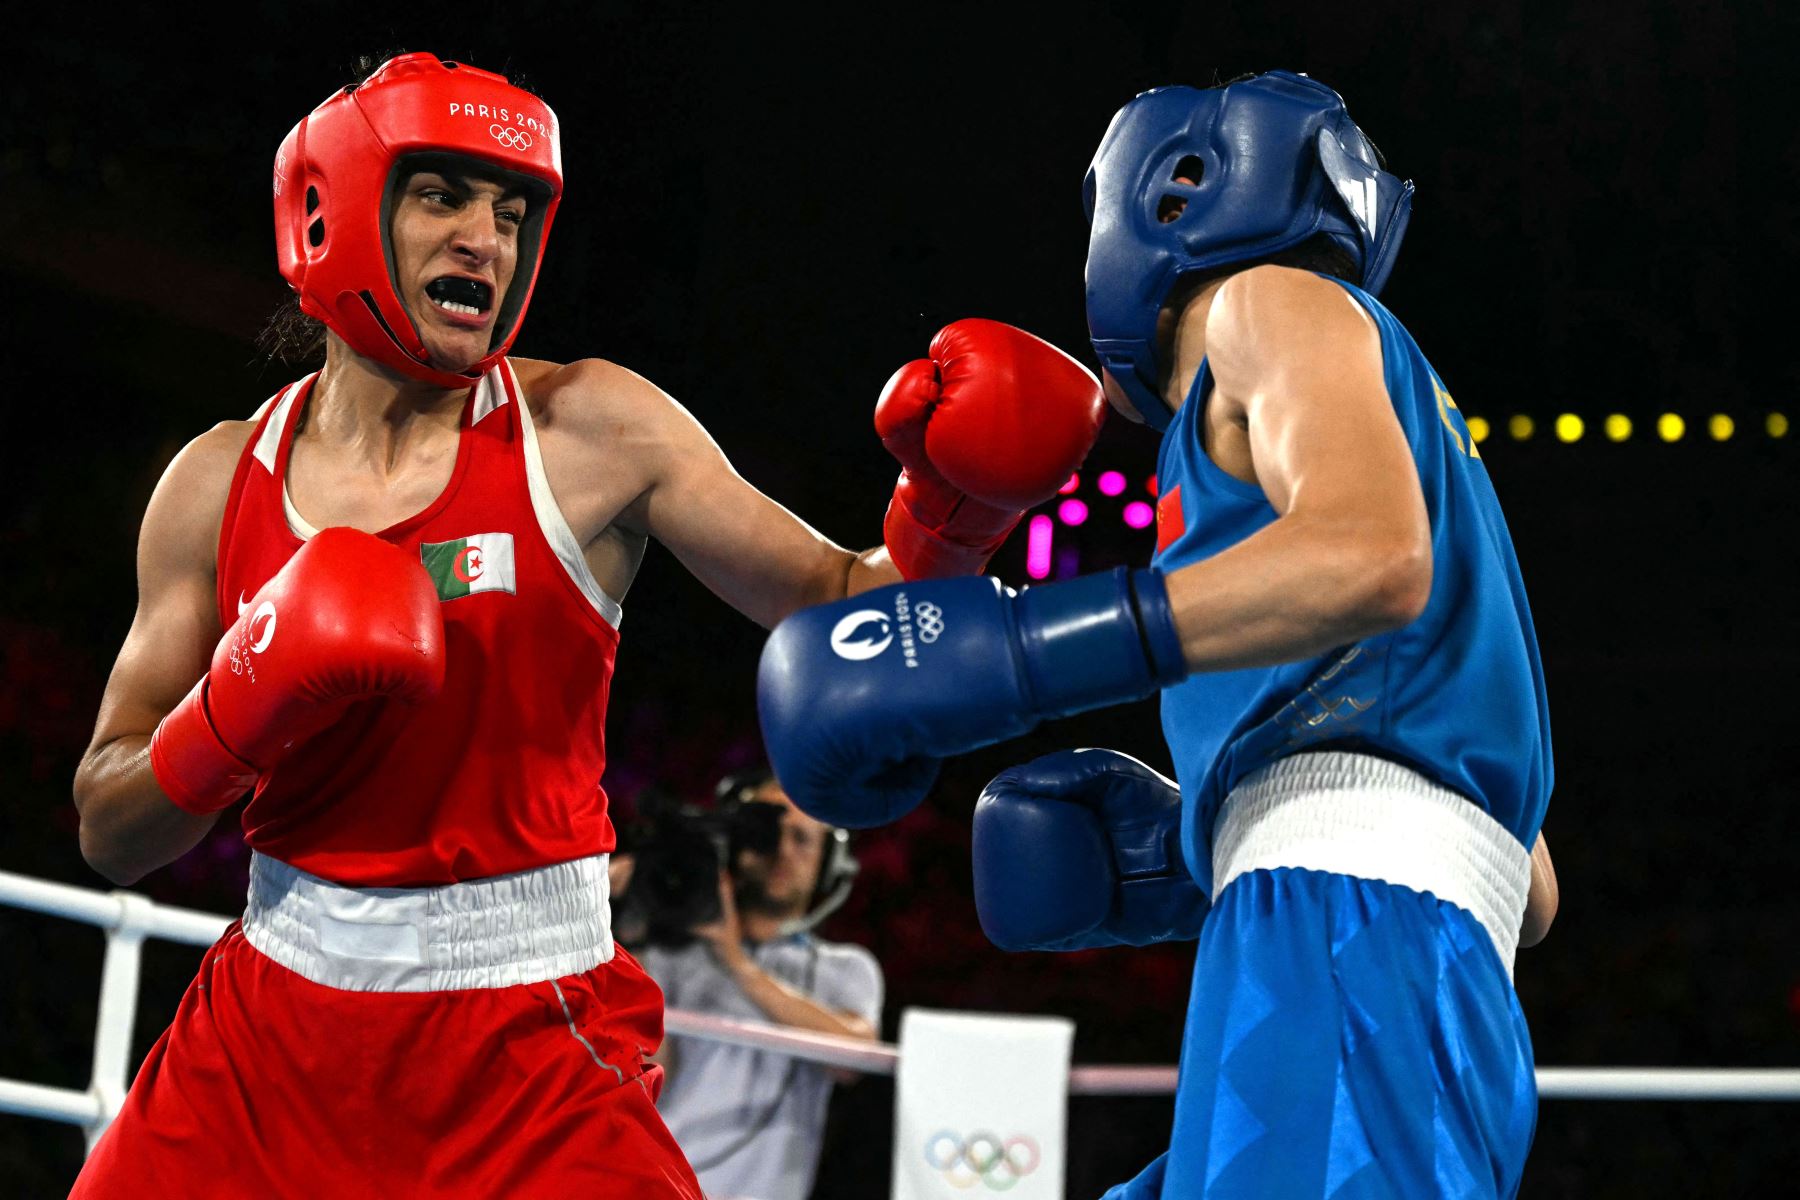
1150, 485
1072, 512
1037, 546
1073, 483
1138, 514
1112, 483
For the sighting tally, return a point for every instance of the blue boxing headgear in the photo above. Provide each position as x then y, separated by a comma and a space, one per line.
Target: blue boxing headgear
1275, 160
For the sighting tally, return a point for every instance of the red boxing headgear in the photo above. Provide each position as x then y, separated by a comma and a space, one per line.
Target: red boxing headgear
337, 174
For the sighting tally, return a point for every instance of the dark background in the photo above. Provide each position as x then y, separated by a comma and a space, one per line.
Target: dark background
766, 214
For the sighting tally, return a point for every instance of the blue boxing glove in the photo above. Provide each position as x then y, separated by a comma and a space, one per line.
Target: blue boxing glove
1080, 849
860, 698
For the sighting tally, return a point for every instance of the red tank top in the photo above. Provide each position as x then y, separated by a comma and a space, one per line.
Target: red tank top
501, 772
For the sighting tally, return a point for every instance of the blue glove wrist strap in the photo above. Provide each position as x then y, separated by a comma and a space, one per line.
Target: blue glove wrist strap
1097, 640
1156, 623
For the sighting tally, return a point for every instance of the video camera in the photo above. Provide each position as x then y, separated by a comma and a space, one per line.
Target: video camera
681, 849
675, 885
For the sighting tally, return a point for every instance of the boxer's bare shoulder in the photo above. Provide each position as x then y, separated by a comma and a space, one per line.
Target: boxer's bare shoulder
598, 401
188, 506
627, 462
1271, 322
607, 436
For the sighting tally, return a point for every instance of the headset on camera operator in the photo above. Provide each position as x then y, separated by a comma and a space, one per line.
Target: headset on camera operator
738, 942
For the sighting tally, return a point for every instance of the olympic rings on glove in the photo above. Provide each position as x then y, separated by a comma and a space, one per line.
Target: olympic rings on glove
982, 1158
931, 622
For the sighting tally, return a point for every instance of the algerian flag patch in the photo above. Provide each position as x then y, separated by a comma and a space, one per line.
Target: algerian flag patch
481, 562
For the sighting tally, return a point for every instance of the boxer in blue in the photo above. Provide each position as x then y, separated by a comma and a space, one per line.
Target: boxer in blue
1352, 694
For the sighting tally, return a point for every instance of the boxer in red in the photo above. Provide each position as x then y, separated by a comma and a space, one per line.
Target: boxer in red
416, 557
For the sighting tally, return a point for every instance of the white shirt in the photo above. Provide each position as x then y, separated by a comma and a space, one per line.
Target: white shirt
751, 1121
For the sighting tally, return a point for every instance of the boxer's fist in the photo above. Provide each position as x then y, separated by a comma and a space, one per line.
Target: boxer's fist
349, 617
860, 698
991, 424
1081, 849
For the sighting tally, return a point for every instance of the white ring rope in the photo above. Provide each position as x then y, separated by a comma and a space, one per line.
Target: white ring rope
129, 918
1554, 1083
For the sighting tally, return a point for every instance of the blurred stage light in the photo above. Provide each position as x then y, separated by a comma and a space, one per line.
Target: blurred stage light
1150, 483
1112, 483
1072, 512
1073, 482
1038, 536
1138, 514
1569, 428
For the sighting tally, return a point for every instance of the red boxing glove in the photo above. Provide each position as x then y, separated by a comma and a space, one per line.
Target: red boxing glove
349, 617
991, 424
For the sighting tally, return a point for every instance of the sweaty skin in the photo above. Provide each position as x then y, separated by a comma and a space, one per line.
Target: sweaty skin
624, 461
1299, 407
1541, 904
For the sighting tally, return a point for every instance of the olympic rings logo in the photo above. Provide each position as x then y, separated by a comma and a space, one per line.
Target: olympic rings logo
512, 139
931, 622
982, 1158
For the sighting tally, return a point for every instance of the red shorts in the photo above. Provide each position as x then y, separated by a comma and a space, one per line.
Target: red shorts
270, 1085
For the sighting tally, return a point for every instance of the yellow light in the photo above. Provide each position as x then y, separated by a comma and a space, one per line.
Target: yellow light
1569, 428
1618, 427
1521, 427
1777, 425
1478, 429
1670, 427
1721, 427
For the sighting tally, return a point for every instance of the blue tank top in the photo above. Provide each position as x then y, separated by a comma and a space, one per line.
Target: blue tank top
1457, 694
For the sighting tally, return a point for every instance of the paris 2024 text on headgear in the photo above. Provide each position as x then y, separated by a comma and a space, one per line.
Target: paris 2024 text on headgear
1252, 168
337, 173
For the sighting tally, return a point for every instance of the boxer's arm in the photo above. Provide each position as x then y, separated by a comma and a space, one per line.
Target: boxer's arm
1298, 364
1541, 902
128, 826
750, 551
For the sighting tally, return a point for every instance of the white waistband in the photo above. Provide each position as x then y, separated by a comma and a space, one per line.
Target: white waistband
1352, 814
524, 928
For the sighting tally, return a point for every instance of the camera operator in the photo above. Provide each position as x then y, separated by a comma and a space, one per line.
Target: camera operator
752, 1121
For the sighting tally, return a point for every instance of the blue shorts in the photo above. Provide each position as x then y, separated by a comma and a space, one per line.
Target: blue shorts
1350, 1039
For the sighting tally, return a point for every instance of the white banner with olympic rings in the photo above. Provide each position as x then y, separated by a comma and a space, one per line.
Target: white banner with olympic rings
981, 1106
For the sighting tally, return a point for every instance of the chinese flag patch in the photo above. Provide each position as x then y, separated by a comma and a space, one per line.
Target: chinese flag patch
1170, 524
